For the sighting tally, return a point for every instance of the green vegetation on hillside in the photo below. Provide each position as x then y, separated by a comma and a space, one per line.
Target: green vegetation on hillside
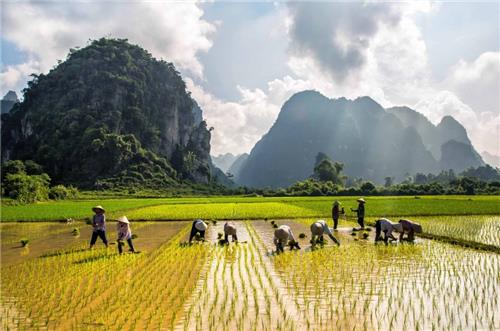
109, 116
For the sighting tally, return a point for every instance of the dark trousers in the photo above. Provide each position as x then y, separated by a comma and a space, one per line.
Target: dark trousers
101, 234
361, 221
194, 232
335, 223
226, 238
130, 245
378, 231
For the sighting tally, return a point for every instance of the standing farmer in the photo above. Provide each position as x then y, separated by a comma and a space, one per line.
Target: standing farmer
198, 227
360, 212
319, 228
99, 226
124, 233
230, 230
385, 226
336, 212
283, 235
410, 228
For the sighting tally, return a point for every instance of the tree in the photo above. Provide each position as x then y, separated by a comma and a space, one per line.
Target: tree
326, 170
367, 188
388, 181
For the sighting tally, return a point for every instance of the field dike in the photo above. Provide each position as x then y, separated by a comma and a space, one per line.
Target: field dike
240, 290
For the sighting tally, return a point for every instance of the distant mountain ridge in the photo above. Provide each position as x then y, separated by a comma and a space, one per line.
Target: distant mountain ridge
371, 141
8, 101
224, 161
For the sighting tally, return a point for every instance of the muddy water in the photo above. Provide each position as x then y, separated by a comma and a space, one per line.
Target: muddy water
361, 285
239, 290
47, 238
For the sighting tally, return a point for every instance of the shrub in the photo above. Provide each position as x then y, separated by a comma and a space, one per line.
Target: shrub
61, 192
27, 189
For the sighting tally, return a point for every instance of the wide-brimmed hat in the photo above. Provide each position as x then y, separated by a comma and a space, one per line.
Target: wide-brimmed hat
200, 225
336, 203
361, 200
123, 219
98, 207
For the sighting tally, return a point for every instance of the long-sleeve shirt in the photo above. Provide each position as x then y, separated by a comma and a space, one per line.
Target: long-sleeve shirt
335, 212
229, 229
361, 210
99, 222
409, 225
123, 231
282, 234
388, 226
320, 227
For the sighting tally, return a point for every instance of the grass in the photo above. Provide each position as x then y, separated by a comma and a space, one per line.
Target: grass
238, 207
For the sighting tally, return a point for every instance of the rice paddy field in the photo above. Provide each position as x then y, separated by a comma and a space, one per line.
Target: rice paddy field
55, 282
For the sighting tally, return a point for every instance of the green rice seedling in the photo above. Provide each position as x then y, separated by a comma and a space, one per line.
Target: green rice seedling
75, 232
302, 235
24, 242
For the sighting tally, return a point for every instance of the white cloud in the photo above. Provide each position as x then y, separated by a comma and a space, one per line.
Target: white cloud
483, 128
174, 31
239, 125
12, 75
478, 82
393, 64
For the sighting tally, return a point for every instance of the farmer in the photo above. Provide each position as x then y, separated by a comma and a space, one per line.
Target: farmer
319, 228
336, 212
124, 233
361, 212
198, 227
230, 230
283, 235
410, 228
99, 226
385, 226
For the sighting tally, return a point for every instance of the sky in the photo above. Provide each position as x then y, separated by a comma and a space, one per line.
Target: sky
243, 60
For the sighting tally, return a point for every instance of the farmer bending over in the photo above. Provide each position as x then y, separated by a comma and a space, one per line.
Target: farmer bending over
124, 233
386, 226
99, 226
319, 228
410, 228
230, 230
283, 235
198, 227
360, 212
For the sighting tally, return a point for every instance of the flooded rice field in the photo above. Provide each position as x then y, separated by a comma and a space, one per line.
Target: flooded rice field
56, 282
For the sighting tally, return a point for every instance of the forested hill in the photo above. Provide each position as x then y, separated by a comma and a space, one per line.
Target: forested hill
110, 114
372, 142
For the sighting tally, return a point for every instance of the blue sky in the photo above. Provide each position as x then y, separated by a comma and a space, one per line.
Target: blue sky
242, 60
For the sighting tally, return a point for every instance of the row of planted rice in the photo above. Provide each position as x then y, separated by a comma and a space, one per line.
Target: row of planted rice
246, 286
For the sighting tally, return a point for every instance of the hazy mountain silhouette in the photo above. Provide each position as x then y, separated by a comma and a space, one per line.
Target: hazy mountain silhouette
8, 101
372, 142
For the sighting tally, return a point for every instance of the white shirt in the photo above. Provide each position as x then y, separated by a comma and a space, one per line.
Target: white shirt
282, 234
388, 226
